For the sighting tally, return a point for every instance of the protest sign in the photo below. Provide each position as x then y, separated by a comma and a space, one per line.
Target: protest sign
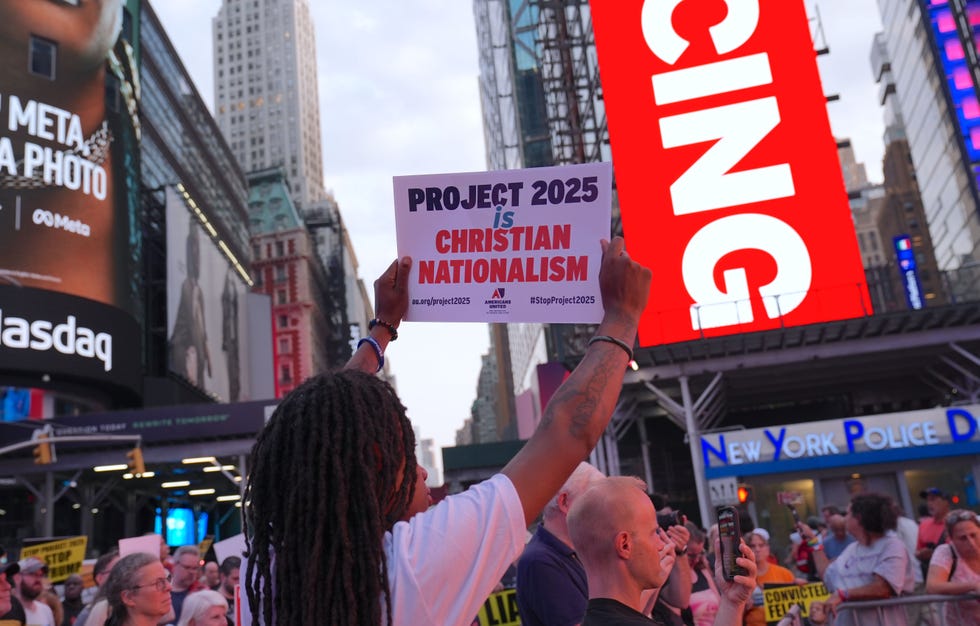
500, 609
505, 246
780, 598
63, 556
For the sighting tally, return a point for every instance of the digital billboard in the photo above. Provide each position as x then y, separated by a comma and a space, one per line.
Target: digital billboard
953, 58
727, 171
69, 170
207, 307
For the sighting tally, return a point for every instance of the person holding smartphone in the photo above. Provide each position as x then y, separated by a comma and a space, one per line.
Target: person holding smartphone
625, 552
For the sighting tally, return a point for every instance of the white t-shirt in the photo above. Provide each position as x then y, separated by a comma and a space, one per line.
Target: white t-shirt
857, 566
445, 562
442, 564
39, 614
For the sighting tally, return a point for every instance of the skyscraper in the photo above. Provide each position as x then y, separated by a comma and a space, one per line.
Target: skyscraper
935, 85
265, 85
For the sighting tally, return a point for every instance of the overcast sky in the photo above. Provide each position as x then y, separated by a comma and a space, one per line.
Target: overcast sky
399, 95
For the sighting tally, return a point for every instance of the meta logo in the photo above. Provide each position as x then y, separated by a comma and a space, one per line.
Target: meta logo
65, 337
722, 147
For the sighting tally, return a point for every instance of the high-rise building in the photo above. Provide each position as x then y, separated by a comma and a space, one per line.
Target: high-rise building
265, 86
935, 87
306, 336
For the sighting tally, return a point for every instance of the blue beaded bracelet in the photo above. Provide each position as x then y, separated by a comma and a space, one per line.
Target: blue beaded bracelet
377, 350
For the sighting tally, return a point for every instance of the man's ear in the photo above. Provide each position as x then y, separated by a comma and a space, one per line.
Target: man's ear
563, 504
624, 545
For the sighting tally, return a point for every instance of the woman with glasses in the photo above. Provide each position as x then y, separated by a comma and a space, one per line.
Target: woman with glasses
955, 566
767, 572
704, 593
138, 592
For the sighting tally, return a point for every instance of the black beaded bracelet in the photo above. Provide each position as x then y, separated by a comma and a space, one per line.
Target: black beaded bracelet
613, 340
380, 322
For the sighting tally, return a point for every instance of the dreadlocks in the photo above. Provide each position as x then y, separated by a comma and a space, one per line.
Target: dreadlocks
332, 471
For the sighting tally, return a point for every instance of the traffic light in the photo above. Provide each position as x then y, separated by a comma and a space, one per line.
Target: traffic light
745, 494
42, 451
136, 466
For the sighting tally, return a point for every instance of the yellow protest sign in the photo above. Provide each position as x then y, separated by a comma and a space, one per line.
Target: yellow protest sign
64, 556
780, 598
500, 609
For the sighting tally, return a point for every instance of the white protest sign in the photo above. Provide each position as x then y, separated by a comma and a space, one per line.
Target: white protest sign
150, 544
505, 246
232, 546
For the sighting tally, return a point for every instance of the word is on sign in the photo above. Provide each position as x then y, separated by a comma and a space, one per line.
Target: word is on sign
724, 153
63, 557
500, 609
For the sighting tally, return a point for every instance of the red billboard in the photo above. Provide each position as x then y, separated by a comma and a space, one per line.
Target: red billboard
727, 171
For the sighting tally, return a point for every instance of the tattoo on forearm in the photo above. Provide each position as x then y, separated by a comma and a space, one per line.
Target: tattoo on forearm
583, 398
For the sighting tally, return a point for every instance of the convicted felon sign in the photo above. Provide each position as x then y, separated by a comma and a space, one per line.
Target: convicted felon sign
726, 167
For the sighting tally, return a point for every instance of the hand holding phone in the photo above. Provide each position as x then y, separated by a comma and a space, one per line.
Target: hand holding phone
730, 537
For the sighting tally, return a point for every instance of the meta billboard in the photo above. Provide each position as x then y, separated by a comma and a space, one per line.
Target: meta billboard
69, 168
207, 310
727, 170
69, 129
931, 433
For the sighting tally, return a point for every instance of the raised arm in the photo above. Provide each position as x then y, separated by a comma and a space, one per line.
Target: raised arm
390, 304
580, 409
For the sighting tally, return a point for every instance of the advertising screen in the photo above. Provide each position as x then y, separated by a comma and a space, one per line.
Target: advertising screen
68, 151
959, 80
727, 171
206, 308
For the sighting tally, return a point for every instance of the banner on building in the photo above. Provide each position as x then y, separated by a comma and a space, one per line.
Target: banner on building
505, 246
726, 168
206, 306
69, 151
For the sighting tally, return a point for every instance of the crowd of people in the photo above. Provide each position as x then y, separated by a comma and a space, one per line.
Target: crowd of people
136, 589
340, 527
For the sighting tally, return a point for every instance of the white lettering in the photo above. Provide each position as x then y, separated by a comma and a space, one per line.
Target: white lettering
709, 183
929, 429
753, 450
67, 338
7, 160
827, 441
794, 447
42, 217
714, 307
876, 438
710, 79
735, 454
656, 22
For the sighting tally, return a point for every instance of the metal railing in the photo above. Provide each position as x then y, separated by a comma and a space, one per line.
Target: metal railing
931, 610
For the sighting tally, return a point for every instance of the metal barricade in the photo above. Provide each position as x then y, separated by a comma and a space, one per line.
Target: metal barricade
932, 608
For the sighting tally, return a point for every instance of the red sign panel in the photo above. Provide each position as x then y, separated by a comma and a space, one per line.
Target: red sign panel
728, 177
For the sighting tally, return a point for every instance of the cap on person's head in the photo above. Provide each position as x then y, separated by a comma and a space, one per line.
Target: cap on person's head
933, 491
9, 568
762, 532
32, 565
815, 522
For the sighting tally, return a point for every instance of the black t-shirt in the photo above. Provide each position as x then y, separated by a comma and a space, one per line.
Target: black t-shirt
609, 612
15, 616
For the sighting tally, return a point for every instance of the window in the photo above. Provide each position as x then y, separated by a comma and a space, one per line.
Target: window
280, 249
283, 321
281, 296
284, 345
280, 274
43, 57
286, 374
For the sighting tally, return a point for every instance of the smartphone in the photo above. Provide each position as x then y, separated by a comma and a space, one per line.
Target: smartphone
730, 537
796, 516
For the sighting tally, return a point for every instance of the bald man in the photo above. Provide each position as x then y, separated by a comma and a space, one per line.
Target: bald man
614, 528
